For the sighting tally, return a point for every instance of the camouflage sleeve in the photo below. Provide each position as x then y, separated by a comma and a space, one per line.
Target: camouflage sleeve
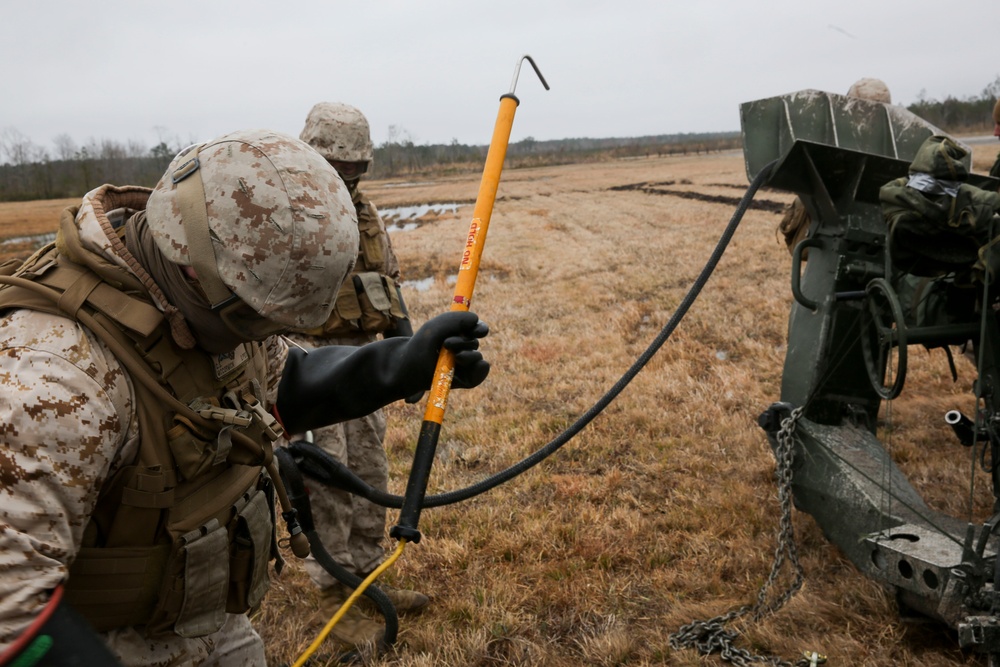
65, 410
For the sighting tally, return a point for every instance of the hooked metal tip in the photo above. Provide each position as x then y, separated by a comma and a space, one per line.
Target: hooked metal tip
517, 71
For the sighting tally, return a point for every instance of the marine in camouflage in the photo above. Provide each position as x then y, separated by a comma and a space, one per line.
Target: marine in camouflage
353, 528
286, 237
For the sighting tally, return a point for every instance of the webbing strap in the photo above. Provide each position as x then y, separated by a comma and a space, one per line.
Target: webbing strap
155, 480
77, 294
78, 287
147, 499
194, 217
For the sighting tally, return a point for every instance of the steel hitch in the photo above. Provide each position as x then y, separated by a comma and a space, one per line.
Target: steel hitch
770, 420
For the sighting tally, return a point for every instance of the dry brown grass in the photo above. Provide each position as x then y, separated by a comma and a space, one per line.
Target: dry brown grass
663, 510
19, 221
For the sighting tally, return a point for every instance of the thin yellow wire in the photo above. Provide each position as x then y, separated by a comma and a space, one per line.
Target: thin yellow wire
347, 604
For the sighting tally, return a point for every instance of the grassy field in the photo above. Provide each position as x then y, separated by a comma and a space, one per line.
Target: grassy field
664, 509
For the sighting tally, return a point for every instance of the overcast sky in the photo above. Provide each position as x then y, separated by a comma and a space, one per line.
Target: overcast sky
188, 71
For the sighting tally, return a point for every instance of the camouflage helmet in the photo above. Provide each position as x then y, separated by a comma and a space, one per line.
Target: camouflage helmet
870, 89
261, 216
339, 132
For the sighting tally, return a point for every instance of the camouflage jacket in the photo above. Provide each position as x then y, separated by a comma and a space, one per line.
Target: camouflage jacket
369, 301
69, 420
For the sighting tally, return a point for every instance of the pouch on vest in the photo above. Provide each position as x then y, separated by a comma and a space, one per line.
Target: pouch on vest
368, 302
371, 246
206, 579
198, 581
250, 555
194, 452
375, 302
346, 315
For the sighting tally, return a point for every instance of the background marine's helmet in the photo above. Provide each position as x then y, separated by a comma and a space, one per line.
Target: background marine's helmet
261, 216
339, 132
870, 89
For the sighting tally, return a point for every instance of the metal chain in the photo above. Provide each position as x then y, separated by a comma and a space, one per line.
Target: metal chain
711, 636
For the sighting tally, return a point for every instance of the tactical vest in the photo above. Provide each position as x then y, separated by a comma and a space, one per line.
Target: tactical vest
368, 301
183, 534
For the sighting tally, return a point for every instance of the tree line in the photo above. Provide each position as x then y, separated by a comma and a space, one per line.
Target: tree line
960, 115
32, 172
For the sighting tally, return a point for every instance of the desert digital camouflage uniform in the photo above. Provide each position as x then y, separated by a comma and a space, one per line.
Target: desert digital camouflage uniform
71, 413
352, 528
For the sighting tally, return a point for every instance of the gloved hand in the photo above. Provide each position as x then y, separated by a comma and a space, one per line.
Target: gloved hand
456, 331
336, 383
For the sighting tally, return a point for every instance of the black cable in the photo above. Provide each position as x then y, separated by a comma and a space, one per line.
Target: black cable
299, 497
323, 467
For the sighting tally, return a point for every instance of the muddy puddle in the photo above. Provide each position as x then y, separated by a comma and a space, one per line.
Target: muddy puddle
410, 184
424, 284
421, 285
407, 218
22, 246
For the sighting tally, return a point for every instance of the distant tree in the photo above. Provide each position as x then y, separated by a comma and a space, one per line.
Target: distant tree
992, 91
969, 114
526, 145
65, 146
18, 149
162, 151
84, 159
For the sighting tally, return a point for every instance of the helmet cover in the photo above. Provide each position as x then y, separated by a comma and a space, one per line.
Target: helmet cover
339, 132
282, 225
870, 89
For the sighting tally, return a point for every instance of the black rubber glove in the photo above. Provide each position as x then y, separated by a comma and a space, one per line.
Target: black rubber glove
59, 637
336, 383
400, 327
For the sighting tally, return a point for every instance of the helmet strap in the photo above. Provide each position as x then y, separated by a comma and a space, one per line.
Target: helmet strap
194, 217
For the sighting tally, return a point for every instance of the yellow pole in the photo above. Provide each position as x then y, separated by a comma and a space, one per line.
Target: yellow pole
423, 458
468, 270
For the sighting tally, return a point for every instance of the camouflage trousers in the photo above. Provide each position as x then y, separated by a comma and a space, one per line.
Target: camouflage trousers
236, 644
351, 528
